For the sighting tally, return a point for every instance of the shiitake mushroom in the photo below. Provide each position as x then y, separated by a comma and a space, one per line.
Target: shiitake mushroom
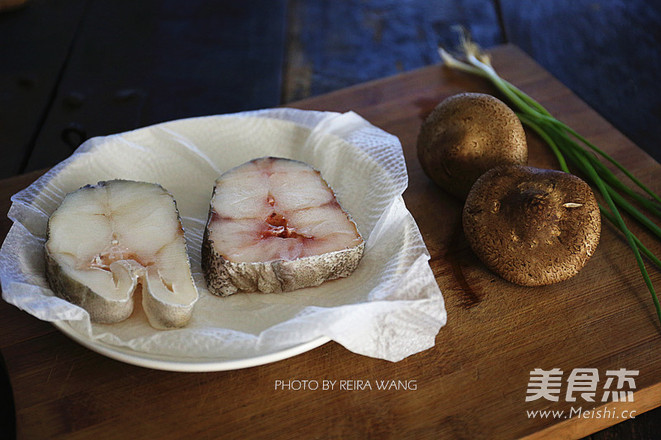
466, 135
532, 226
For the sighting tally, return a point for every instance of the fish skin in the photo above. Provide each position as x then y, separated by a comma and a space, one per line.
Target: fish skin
225, 277
101, 309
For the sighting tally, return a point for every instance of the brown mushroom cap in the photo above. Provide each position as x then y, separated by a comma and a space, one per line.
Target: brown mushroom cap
532, 226
466, 135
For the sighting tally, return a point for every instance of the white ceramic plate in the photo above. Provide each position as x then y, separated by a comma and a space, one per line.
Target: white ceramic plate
389, 308
184, 364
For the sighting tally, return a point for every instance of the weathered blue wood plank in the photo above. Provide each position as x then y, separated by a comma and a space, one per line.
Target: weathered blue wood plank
139, 63
606, 51
337, 44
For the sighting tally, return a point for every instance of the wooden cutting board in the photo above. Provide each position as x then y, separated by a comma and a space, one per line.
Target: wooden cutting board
498, 332
472, 384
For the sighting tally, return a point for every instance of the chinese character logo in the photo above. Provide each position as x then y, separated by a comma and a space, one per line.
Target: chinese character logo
583, 383
624, 381
544, 384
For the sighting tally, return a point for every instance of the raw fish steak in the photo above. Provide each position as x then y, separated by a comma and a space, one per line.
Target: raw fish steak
275, 225
111, 240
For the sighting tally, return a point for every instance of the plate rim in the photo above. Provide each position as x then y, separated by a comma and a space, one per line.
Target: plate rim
184, 365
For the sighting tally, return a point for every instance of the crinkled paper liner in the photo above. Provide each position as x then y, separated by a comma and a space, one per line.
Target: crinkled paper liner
389, 308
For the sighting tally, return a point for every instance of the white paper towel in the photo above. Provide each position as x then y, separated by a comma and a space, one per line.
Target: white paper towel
390, 308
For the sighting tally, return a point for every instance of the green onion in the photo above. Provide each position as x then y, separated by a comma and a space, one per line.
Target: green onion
570, 147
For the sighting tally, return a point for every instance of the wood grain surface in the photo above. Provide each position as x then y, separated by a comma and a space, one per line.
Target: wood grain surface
472, 384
